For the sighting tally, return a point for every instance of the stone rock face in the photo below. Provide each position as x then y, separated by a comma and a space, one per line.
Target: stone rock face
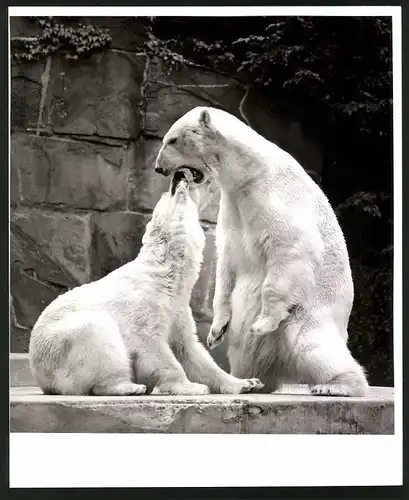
23, 26
36, 281
20, 336
85, 135
69, 173
25, 95
107, 105
14, 187
65, 237
30, 256
127, 32
117, 239
145, 186
31, 294
182, 90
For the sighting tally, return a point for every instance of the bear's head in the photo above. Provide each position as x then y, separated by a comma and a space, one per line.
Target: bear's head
175, 219
193, 142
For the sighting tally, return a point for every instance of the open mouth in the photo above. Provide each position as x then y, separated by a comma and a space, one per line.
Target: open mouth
178, 176
197, 175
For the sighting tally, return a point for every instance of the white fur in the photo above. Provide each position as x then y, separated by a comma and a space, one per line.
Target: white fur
284, 289
133, 330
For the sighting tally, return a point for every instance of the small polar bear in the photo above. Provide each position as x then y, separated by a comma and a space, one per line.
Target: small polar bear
133, 330
284, 290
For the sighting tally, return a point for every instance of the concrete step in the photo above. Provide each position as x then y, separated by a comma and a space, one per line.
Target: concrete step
290, 411
20, 374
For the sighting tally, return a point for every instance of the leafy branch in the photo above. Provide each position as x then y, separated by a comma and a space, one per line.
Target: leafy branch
57, 37
338, 66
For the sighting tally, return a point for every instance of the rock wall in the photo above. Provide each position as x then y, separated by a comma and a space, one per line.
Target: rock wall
84, 137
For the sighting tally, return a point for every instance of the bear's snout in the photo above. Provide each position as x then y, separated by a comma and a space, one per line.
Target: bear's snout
178, 179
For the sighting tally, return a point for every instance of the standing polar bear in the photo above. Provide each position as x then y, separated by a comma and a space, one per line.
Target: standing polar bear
284, 288
133, 331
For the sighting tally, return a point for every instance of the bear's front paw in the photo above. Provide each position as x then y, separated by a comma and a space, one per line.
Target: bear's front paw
241, 386
264, 325
216, 334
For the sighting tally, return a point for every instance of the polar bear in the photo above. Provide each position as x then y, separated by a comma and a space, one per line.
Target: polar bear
284, 290
133, 331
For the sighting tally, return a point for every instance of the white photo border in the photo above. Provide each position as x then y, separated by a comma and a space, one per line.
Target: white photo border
189, 460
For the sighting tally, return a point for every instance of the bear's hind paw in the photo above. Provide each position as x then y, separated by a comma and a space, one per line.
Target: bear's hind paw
332, 390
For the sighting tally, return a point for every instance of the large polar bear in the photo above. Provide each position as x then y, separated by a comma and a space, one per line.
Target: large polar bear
133, 331
284, 289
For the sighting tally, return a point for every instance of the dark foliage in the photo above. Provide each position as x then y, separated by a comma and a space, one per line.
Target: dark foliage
64, 36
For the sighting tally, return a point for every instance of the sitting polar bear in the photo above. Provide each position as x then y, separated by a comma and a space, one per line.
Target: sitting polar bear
133, 330
284, 289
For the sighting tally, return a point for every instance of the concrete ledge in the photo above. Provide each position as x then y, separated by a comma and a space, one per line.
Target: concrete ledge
20, 374
31, 411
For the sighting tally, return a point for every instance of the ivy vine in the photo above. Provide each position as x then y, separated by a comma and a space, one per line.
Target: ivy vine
57, 37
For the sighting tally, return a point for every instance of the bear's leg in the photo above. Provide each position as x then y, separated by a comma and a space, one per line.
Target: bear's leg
319, 357
200, 366
225, 279
115, 372
157, 365
274, 304
123, 388
92, 358
284, 287
116, 375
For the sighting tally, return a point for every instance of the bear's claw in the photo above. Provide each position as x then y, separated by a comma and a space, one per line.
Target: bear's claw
215, 338
213, 341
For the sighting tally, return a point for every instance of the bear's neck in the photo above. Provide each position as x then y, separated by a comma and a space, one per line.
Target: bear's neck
244, 156
176, 271
244, 162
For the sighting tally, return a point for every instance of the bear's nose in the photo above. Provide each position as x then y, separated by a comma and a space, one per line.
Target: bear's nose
159, 170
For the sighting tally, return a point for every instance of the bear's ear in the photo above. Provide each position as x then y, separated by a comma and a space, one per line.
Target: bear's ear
204, 118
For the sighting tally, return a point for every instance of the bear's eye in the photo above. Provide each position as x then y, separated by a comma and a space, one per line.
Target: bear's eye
172, 141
